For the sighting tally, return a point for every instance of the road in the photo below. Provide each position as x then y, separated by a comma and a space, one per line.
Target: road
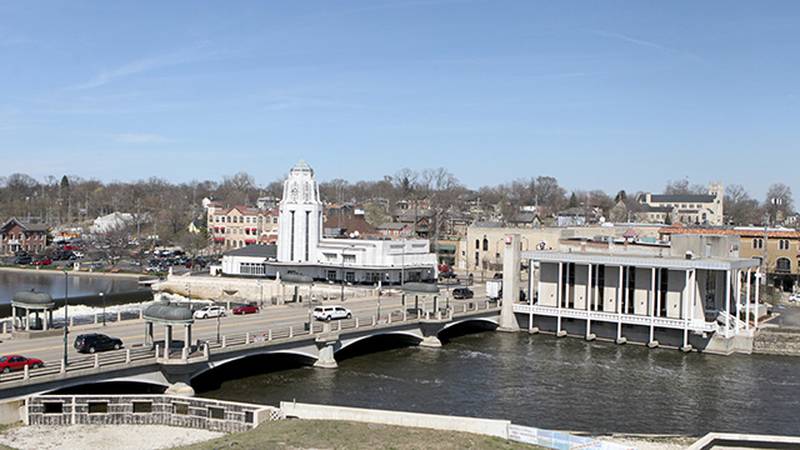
50, 349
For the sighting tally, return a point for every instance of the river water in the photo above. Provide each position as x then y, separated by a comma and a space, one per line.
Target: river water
565, 384
52, 282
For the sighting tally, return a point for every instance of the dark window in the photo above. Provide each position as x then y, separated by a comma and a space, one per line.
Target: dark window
182, 409
142, 407
485, 244
53, 407
216, 413
248, 417
98, 407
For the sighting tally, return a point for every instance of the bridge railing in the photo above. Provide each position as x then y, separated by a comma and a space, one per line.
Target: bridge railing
300, 329
95, 361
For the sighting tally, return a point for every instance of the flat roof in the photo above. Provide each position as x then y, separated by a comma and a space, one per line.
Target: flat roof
620, 259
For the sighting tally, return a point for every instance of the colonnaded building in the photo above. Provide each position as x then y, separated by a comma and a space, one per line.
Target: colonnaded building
698, 294
303, 250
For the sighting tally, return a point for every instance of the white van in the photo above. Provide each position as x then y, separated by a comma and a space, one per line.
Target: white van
332, 313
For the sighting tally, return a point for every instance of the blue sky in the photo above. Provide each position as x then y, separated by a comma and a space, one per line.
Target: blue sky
610, 95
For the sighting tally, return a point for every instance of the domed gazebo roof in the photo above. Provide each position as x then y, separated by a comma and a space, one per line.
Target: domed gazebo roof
167, 312
32, 299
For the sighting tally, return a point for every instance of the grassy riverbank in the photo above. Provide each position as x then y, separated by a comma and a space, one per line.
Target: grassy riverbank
308, 434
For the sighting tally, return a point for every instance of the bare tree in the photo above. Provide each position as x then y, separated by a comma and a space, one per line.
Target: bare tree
740, 209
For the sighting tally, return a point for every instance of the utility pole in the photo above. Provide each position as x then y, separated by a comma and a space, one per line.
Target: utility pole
66, 316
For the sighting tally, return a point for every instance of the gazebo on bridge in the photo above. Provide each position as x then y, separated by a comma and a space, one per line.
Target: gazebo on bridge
33, 302
169, 315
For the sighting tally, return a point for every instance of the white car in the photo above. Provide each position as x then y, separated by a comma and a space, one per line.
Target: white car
332, 313
209, 311
795, 298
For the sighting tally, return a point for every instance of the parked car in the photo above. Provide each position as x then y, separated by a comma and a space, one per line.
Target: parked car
245, 309
96, 342
209, 311
9, 363
23, 259
462, 293
332, 313
43, 261
794, 298
447, 275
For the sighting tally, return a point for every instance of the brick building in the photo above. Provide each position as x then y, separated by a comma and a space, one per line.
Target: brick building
17, 236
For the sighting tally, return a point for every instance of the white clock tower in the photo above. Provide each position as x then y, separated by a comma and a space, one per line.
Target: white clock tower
300, 219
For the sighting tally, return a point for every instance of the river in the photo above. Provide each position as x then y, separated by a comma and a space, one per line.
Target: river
541, 381
52, 282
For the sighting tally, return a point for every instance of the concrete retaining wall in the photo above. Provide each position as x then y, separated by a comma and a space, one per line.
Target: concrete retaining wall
489, 427
147, 409
779, 341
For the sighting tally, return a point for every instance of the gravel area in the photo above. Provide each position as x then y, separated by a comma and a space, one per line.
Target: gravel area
652, 443
112, 437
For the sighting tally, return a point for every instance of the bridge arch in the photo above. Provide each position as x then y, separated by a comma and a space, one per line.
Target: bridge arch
124, 385
375, 342
467, 326
249, 364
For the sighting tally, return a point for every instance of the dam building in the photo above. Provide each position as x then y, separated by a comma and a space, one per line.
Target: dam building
709, 302
303, 250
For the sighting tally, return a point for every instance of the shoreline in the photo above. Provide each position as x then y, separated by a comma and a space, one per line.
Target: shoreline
13, 269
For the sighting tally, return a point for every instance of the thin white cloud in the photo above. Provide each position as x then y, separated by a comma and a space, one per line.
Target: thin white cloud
643, 43
135, 67
141, 138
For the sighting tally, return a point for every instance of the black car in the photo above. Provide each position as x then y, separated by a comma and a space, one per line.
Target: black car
23, 259
95, 342
462, 293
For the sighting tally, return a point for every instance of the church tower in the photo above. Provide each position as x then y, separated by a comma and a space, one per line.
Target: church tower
300, 218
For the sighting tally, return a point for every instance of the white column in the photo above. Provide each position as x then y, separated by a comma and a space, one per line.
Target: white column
651, 303
693, 297
658, 295
626, 292
618, 302
187, 337
727, 302
747, 301
589, 296
738, 298
44, 313
756, 300
685, 310
530, 294
27, 319
13, 317
558, 297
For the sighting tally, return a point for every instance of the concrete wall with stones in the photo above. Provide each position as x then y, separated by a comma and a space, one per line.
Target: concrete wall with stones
189, 412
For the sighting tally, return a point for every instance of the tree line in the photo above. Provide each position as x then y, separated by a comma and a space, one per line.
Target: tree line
171, 206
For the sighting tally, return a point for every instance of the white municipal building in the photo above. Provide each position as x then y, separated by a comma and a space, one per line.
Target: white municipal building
303, 250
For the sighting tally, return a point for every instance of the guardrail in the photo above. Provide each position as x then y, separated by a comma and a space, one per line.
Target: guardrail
630, 319
138, 355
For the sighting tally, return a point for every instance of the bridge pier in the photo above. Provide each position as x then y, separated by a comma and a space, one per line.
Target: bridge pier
511, 268
430, 332
326, 347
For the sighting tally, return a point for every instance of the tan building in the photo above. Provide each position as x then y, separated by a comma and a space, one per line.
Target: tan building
777, 250
240, 226
699, 209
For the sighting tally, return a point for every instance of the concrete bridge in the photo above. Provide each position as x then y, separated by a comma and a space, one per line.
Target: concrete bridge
318, 346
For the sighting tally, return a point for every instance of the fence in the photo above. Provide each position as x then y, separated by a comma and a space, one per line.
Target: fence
189, 412
558, 439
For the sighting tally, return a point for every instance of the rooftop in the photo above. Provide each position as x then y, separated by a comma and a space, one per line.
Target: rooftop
659, 262
682, 198
255, 251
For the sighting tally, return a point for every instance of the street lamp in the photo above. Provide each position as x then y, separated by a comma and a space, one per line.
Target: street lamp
103, 299
66, 315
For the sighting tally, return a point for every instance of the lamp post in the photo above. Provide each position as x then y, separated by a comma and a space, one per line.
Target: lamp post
103, 299
66, 315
